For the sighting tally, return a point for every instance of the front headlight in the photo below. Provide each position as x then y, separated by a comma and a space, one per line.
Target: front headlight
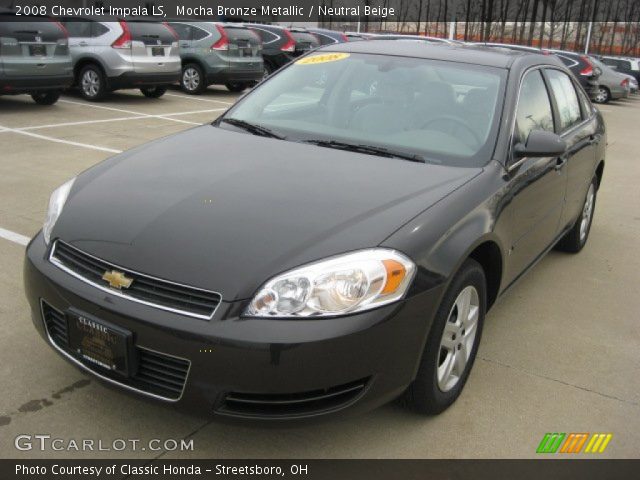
56, 204
339, 285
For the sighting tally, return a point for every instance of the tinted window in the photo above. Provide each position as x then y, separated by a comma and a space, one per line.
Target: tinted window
98, 29
566, 98
150, 33
198, 33
265, 36
534, 107
78, 29
183, 31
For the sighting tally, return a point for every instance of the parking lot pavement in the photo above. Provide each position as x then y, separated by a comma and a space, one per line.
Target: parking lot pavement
560, 351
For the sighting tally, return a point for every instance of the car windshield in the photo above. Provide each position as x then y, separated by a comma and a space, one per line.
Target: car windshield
435, 111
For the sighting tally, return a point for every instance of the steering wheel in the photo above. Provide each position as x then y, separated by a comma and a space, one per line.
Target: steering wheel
454, 120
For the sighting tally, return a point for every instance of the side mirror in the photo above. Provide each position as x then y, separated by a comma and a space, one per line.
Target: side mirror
541, 143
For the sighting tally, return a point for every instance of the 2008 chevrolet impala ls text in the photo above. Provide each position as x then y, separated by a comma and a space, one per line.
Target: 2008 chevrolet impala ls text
330, 243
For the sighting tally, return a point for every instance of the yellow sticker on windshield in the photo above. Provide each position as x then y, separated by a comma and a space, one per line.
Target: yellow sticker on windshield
322, 58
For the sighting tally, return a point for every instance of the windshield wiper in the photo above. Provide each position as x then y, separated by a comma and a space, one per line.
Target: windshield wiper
252, 128
369, 149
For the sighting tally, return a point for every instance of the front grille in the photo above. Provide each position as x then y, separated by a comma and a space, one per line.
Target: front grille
157, 374
299, 404
152, 291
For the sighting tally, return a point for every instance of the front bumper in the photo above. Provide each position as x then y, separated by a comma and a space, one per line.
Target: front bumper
252, 368
10, 85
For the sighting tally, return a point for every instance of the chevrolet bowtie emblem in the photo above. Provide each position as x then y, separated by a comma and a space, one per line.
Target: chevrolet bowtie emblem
117, 279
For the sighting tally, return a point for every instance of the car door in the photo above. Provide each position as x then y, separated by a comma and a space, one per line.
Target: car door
577, 125
185, 37
537, 185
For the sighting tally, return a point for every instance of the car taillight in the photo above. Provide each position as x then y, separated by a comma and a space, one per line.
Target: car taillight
625, 82
290, 45
223, 41
173, 32
588, 70
344, 37
124, 40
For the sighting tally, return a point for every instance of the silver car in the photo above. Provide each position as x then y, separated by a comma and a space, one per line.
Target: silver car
34, 57
612, 85
109, 56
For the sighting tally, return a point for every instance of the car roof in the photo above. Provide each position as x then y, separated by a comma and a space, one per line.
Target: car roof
477, 55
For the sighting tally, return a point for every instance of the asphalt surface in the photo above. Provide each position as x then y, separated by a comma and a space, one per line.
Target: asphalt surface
560, 352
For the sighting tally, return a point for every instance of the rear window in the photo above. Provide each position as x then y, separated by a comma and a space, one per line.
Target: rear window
38, 29
241, 33
150, 33
305, 37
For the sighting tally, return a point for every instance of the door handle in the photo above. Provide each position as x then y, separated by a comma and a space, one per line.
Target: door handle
184, 45
560, 162
83, 44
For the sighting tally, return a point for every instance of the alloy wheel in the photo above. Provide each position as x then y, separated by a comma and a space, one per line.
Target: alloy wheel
602, 95
191, 79
90, 83
458, 338
587, 213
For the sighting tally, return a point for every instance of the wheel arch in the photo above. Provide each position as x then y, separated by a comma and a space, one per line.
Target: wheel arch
600, 172
83, 62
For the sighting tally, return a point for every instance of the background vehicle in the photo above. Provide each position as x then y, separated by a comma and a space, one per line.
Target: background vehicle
281, 45
108, 56
582, 68
630, 66
413, 37
34, 57
328, 37
215, 53
358, 37
611, 84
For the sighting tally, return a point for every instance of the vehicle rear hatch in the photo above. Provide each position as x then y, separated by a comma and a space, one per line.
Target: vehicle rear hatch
245, 48
34, 47
305, 41
154, 47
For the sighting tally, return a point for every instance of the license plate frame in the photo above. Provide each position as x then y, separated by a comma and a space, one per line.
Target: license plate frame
100, 344
38, 50
157, 51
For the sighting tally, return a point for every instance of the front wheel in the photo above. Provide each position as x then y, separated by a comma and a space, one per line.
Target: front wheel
154, 92
452, 343
576, 238
45, 98
193, 80
602, 95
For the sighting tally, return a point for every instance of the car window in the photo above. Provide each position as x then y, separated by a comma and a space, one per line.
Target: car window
534, 107
440, 110
98, 29
78, 29
585, 104
566, 98
183, 30
198, 33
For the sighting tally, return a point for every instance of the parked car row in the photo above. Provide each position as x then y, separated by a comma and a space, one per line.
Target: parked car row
602, 82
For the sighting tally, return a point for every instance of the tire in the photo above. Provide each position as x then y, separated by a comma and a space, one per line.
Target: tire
268, 70
192, 80
433, 391
603, 95
46, 98
236, 87
92, 83
154, 92
577, 237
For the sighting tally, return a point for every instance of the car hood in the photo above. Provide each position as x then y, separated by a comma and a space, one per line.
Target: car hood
225, 210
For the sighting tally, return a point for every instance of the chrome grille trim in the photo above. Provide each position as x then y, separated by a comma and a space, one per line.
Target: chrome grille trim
61, 265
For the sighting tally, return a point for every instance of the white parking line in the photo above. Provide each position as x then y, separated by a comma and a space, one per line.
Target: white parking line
117, 119
200, 99
122, 110
14, 237
58, 140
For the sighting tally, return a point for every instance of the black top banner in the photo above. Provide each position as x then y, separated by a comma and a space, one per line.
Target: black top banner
335, 11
